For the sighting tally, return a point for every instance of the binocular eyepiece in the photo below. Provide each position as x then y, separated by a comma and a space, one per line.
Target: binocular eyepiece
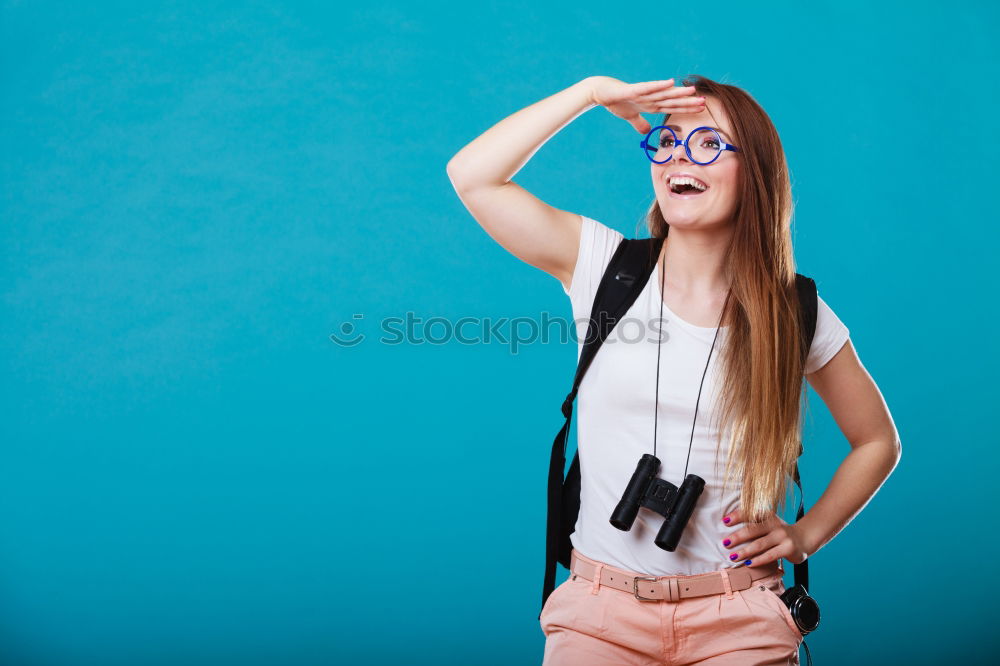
659, 495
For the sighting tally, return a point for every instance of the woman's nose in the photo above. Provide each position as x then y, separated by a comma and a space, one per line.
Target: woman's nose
677, 153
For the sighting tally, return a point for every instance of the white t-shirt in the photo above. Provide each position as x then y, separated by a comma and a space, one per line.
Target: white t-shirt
615, 420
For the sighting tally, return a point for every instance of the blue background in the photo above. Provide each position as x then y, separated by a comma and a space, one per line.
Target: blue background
195, 196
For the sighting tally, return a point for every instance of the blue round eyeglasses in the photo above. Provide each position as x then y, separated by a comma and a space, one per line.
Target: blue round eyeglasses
703, 145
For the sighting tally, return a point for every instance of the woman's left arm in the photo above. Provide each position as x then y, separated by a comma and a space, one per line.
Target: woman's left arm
857, 406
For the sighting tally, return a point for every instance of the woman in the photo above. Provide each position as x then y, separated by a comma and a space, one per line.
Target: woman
721, 382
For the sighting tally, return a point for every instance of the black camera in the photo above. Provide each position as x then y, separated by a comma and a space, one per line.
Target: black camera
804, 609
675, 505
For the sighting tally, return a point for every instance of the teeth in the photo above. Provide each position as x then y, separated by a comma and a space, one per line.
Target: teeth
687, 180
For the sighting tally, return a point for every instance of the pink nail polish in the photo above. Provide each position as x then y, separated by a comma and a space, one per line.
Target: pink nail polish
734, 556
726, 542
726, 519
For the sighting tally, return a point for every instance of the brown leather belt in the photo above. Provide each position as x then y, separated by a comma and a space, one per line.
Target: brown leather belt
672, 588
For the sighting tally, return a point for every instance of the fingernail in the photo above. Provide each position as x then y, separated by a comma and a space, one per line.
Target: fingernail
726, 542
748, 562
734, 556
726, 519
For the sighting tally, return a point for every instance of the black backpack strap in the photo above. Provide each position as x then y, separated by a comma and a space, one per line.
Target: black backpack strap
808, 309
624, 278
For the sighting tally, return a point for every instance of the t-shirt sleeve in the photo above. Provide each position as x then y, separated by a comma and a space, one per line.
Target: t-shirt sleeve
597, 243
831, 334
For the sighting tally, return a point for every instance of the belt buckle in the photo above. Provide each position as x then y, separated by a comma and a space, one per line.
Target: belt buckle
635, 587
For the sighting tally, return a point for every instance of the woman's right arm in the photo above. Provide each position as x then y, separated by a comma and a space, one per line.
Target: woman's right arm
481, 172
530, 229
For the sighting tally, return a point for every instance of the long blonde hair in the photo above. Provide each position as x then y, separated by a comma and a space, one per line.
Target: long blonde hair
764, 357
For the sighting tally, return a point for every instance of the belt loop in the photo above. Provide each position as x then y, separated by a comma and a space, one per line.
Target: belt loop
597, 578
674, 588
726, 584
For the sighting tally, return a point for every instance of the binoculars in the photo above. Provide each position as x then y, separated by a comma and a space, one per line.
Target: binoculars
675, 505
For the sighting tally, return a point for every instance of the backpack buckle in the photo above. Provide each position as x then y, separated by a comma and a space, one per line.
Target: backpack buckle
567, 407
625, 278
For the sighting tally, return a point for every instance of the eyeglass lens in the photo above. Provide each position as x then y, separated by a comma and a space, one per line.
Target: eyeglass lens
705, 145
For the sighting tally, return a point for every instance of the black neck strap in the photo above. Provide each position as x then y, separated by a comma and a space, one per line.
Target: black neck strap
659, 346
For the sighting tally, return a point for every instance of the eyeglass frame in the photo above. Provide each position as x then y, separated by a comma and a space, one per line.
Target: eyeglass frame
644, 144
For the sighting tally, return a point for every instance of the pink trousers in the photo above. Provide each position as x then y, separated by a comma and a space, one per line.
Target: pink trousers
586, 624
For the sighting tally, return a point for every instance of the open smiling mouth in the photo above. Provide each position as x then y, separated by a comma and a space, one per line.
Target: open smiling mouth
685, 189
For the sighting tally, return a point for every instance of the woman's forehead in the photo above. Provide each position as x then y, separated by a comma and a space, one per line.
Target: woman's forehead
712, 116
